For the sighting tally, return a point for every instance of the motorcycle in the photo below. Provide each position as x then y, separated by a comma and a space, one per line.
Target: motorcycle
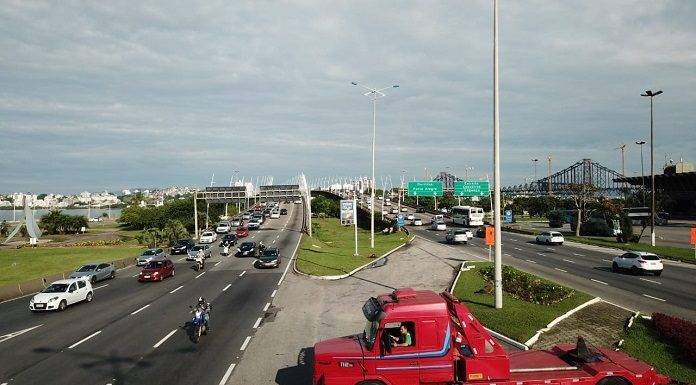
200, 264
225, 251
198, 323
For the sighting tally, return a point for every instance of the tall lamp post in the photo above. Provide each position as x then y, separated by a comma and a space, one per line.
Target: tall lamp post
374, 94
642, 173
652, 166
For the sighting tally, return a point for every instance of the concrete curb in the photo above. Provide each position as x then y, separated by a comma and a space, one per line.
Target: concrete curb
336, 277
551, 324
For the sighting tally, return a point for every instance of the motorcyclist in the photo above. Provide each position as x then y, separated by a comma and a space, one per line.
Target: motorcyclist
262, 247
205, 308
200, 259
226, 250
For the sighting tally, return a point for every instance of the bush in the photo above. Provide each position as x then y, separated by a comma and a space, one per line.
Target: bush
556, 219
677, 331
527, 287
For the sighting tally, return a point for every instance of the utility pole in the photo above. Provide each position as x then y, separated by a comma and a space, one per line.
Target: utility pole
549, 157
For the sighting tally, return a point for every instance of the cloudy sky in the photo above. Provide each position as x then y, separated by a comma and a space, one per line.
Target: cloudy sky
99, 95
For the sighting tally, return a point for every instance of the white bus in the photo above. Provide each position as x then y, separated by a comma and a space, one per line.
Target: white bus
467, 215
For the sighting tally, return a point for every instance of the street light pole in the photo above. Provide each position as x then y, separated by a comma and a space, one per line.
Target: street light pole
642, 173
652, 166
373, 94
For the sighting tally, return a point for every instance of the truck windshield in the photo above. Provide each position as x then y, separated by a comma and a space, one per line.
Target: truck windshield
370, 333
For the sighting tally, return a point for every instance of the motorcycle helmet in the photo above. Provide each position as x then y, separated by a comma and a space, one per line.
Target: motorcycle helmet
201, 300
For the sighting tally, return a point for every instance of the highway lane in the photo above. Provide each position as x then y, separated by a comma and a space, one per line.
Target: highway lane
588, 268
134, 333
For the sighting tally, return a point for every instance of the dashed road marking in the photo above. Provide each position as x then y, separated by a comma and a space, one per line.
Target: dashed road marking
594, 280
257, 323
164, 339
651, 281
84, 339
529, 260
569, 261
274, 293
141, 309
517, 248
15, 334
243, 272
579, 255
199, 275
561, 270
227, 287
607, 260
101, 287
655, 298
227, 375
175, 290
267, 306
246, 342
541, 254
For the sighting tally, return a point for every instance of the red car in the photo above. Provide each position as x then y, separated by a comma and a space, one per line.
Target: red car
157, 270
242, 232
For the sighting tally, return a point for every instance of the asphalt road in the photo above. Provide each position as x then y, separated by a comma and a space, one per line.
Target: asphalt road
136, 333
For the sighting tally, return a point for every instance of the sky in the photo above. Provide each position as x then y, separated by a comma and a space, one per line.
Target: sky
98, 95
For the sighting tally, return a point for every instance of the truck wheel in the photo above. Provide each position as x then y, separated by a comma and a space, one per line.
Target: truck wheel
613, 381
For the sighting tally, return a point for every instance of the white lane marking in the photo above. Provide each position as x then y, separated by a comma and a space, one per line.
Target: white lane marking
227, 375
15, 334
603, 283
219, 262
243, 272
514, 240
579, 255
141, 309
529, 260
274, 293
84, 339
569, 261
651, 281
102, 286
246, 342
133, 276
564, 271
273, 241
157, 345
181, 259
257, 323
227, 287
173, 291
507, 255
607, 260
541, 254
650, 296
517, 248
199, 275
267, 306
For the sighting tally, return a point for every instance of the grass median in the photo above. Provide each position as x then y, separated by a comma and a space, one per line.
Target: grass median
331, 249
518, 319
19, 265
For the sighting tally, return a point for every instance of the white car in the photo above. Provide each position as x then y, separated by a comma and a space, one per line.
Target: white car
60, 294
246, 216
416, 222
439, 226
387, 203
550, 238
410, 217
298, 202
253, 224
385, 212
469, 233
394, 210
236, 222
223, 228
637, 262
457, 236
208, 237
404, 209
275, 214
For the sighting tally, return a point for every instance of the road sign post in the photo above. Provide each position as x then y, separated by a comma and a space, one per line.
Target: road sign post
693, 239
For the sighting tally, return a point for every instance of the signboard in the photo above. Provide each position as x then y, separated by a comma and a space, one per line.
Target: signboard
693, 236
508, 216
490, 236
471, 188
425, 189
347, 212
400, 220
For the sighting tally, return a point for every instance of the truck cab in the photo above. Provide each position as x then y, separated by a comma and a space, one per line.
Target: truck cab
448, 345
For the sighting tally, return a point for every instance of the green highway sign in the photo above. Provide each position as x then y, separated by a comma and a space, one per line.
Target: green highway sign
471, 188
425, 189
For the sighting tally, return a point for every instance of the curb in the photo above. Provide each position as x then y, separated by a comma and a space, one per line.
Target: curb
337, 277
551, 324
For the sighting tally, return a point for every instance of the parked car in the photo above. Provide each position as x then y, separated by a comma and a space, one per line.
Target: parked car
439, 225
481, 232
456, 236
223, 227
283, 211
148, 255
246, 249
208, 237
241, 232
157, 270
550, 238
268, 258
95, 271
181, 246
194, 250
254, 224
638, 262
417, 222
61, 294
229, 239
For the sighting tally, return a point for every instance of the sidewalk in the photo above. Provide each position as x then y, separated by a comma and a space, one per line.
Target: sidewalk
307, 310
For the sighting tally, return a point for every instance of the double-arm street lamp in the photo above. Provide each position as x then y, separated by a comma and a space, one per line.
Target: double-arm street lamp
652, 166
374, 94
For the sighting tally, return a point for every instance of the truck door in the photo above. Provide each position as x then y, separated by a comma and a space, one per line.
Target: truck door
397, 364
435, 359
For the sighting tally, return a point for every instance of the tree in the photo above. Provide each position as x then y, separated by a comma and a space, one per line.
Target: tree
174, 230
581, 194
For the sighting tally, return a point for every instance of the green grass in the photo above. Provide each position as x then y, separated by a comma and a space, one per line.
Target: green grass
18, 265
330, 250
642, 342
517, 319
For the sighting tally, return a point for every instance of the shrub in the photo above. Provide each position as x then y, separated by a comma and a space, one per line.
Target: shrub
527, 287
677, 331
106, 242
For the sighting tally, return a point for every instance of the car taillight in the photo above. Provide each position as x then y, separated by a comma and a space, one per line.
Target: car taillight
642, 261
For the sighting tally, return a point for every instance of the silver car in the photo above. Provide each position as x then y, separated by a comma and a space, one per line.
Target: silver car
95, 271
148, 255
194, 250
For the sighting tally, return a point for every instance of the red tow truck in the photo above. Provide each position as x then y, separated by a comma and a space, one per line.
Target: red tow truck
448, 345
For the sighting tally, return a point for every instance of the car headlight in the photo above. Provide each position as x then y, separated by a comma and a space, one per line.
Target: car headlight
53, 299
31, 301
